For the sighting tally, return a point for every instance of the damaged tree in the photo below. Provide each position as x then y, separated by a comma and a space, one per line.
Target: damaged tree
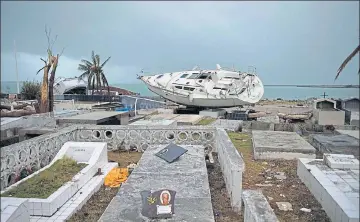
47, 87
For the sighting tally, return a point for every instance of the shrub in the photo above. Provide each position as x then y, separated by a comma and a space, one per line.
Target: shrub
30, 90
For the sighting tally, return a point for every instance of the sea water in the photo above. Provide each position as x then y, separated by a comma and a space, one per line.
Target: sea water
271, 92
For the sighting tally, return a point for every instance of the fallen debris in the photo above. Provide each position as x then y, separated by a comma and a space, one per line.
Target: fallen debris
284, 206
305, 210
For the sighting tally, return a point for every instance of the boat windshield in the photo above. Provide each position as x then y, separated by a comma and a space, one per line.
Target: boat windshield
193, 76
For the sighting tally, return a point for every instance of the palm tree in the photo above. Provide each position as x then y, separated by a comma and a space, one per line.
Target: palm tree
346, 61
94, 73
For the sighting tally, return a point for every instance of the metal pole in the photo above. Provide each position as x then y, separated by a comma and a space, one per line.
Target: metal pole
16, 69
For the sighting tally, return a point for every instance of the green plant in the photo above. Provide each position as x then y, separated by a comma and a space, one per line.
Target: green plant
30, 90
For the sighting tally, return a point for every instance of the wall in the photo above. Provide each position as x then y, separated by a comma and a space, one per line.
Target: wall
39, 151
232, 166
31, 154
331, 117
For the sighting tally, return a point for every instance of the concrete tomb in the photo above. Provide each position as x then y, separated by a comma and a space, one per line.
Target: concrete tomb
325, 112
97, 118
187, 176
215, 113
337, 144
257, 208
280, 145
334, 182
93, 154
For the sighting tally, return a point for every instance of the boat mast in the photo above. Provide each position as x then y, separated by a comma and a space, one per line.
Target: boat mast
16, 70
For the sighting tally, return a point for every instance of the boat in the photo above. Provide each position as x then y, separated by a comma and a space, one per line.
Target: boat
218, 88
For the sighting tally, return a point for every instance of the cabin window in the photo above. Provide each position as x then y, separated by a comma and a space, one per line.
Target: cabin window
183, 76
203, 76
194, 76
178, 87
231, 78
220, 88
189, 88
159, 76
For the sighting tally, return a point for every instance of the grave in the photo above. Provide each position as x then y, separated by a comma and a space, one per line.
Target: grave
97, 118
93, 154
337, 144
28, 133
14, 210
257, 208
214, 113
163, 122
280, 145
353, 133
185, 120
181, 119
227, 124
334, 182
162, 116
351, 108
325, 112
187, 177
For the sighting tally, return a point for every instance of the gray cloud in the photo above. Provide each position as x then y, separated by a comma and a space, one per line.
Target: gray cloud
288, 42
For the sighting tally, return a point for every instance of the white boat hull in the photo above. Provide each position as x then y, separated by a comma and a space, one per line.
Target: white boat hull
207, 88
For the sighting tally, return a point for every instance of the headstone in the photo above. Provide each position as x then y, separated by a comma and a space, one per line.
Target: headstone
171, 153
341, 161
159, 204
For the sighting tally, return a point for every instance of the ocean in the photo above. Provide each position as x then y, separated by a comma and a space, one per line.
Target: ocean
271, 92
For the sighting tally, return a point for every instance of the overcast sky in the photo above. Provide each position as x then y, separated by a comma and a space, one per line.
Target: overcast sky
288, 42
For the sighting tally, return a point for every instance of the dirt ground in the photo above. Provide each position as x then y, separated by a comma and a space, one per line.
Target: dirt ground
124, 158
219, 196
96, 205
260, 175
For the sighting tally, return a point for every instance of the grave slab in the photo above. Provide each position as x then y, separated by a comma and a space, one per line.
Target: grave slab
162, 116
185, 119
227, 124
337, 190
257, 208
336, 144
341, 161
98, 117
193, 199
280, 145
156, 122
353, 133
14, 209
215, 113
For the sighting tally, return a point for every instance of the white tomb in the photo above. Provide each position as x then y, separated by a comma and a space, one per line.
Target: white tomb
92, 153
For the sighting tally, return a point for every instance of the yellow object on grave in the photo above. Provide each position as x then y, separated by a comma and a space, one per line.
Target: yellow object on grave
116, 176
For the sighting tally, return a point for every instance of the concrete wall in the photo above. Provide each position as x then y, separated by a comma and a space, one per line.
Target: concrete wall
329, 117
232, 167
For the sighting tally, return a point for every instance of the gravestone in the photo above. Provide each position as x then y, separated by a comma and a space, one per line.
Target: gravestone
159, 204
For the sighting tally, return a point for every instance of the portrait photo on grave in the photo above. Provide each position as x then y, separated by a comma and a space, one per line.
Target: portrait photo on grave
158, 204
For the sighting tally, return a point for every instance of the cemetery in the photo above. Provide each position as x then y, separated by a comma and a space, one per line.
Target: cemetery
177, 167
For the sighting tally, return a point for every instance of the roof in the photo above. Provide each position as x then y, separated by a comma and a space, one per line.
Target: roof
352, 98
119, 90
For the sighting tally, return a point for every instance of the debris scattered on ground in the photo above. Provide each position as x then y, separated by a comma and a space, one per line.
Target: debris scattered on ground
305, 210
263, 185
284, 206
280, 176
270, 198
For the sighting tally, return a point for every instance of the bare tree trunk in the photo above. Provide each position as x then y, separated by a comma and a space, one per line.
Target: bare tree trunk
51, 84
44, 105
